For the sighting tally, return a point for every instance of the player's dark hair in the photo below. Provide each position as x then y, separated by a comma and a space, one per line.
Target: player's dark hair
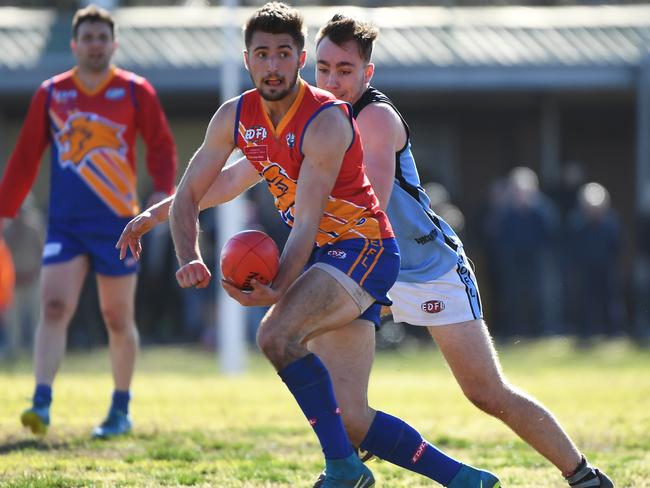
276, 18
341, 29
92, 13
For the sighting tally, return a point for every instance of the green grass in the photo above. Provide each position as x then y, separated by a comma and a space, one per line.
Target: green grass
195, 427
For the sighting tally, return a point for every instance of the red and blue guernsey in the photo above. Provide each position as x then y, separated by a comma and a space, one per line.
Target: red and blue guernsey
92, 136
352, 211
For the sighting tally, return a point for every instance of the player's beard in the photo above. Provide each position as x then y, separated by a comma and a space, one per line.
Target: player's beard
280, 92
97, 64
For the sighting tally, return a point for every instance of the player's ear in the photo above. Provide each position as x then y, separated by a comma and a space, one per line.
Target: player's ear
368, 72
245, 53
303, 58
73, 45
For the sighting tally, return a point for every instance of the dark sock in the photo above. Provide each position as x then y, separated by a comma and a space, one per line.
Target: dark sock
310, 383
583, 473
42, 396
121, 401
393, 440
581, 465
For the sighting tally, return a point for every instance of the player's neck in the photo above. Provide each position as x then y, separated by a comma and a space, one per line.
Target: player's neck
91, 80
278, 109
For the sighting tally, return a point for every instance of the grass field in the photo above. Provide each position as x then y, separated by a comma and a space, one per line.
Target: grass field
195, 427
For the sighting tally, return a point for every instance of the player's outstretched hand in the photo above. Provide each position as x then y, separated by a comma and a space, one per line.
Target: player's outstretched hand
193, 274
260, 295
134, 230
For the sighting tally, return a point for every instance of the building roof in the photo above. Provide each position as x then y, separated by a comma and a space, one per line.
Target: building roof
183, 48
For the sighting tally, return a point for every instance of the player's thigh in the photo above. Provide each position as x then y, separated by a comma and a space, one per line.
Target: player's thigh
314, 304
117, 295
348, 354
61, 284
469, 351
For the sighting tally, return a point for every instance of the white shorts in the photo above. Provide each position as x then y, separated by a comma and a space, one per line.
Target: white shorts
450, 299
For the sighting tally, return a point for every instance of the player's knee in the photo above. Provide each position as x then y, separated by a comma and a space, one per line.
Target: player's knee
56, 311
491, 400
116, 319
270, 340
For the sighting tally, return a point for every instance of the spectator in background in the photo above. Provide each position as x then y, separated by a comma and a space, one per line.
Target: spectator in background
523, 228
7, 279
594, 241
565, 193
89, 116
441, 204
24, 236
483, 236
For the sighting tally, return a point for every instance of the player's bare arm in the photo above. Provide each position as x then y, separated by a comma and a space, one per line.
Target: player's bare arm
383, 135
203, 169
234, 179
140, 225
324, 146
319, 171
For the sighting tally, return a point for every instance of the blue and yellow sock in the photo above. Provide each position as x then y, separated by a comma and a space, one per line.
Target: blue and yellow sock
311, 385
395, 441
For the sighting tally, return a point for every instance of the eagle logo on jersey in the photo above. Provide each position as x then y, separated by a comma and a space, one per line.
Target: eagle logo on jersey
84, 134
94, 148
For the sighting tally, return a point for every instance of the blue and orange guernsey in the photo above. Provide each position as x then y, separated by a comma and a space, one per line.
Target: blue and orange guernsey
92, 137
352, 211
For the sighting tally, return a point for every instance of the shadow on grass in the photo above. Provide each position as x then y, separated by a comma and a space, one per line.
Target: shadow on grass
32, 444
61, 442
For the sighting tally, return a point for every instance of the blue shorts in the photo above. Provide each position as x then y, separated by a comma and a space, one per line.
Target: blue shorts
372, 264
69, 238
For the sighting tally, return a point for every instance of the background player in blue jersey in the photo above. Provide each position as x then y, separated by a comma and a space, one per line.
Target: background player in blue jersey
89, 116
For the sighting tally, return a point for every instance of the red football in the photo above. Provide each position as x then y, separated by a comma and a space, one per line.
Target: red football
250, 254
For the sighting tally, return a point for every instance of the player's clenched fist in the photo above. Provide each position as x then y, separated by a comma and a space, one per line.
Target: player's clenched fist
195, 273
